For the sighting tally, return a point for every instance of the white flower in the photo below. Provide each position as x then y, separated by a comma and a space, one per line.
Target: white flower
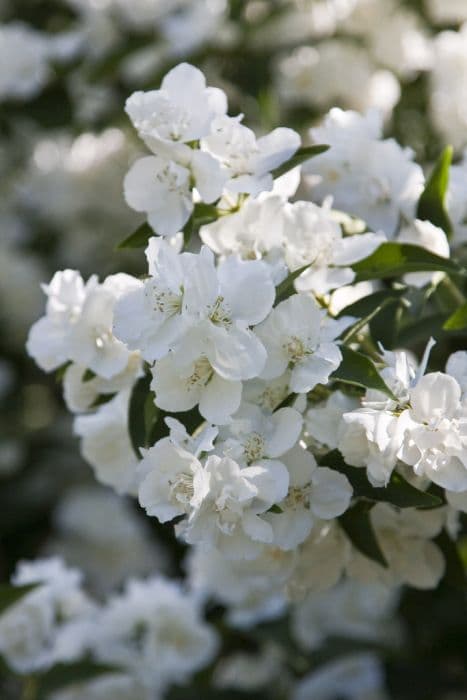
165, 476
313, 237
322, 421
248, 160
107, 687
80, 395
433, 239
154, 631
253, 434
228, 503
321, 560
456, 366
186, 378
252, 590
78, 324
352, 609
254, 232
92, 343
352, 677
105, 444
436, 444
373, 438
299, 335
23, 59
314, 493
161, 189
49, 338
448, 86
182, 110
368, 177
405, 538
153, 317
46, 625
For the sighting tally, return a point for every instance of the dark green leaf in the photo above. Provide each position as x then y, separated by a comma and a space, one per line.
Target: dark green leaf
397, 259
139, 238
286, 288
458, 320
398, 492
454, 575
275, 509
359, 370
102, 399
63, 675
366, 305
88, 375
432, 202
61, 371
301, 156
9, 595
356, 524
137, 413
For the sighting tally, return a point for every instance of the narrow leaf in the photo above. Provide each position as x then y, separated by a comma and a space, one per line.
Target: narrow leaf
139, 238
301, 156
9, 595
286, 288
398, 492
136, 413
357, 525
397, 259
432, 202
458, 320
359, 370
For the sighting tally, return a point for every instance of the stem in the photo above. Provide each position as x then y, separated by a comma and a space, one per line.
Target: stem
453, 292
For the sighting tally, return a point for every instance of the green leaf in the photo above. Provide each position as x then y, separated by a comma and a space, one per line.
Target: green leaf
301, 156
398, 491
356, 524
102, 399
275, 509
139, 238
454, 575
88, 375
432, 202
286, 288
9, 595
61, 371
366, 305
359, 370
397, 259
66, 674
458, 320
137, 413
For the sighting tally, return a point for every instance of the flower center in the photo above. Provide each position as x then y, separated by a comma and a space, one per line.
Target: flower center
295, 349
220, 314
164, 300
254, 447
202, 373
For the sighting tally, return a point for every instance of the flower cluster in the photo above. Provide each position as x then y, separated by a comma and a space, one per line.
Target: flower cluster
150, 636
216, 387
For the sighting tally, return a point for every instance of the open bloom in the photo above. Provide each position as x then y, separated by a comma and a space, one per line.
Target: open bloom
315, 493
248, 160
298, 335
181, 111
228, 502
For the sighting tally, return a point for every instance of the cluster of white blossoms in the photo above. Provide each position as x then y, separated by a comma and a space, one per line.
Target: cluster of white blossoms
219, 389
149, 637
